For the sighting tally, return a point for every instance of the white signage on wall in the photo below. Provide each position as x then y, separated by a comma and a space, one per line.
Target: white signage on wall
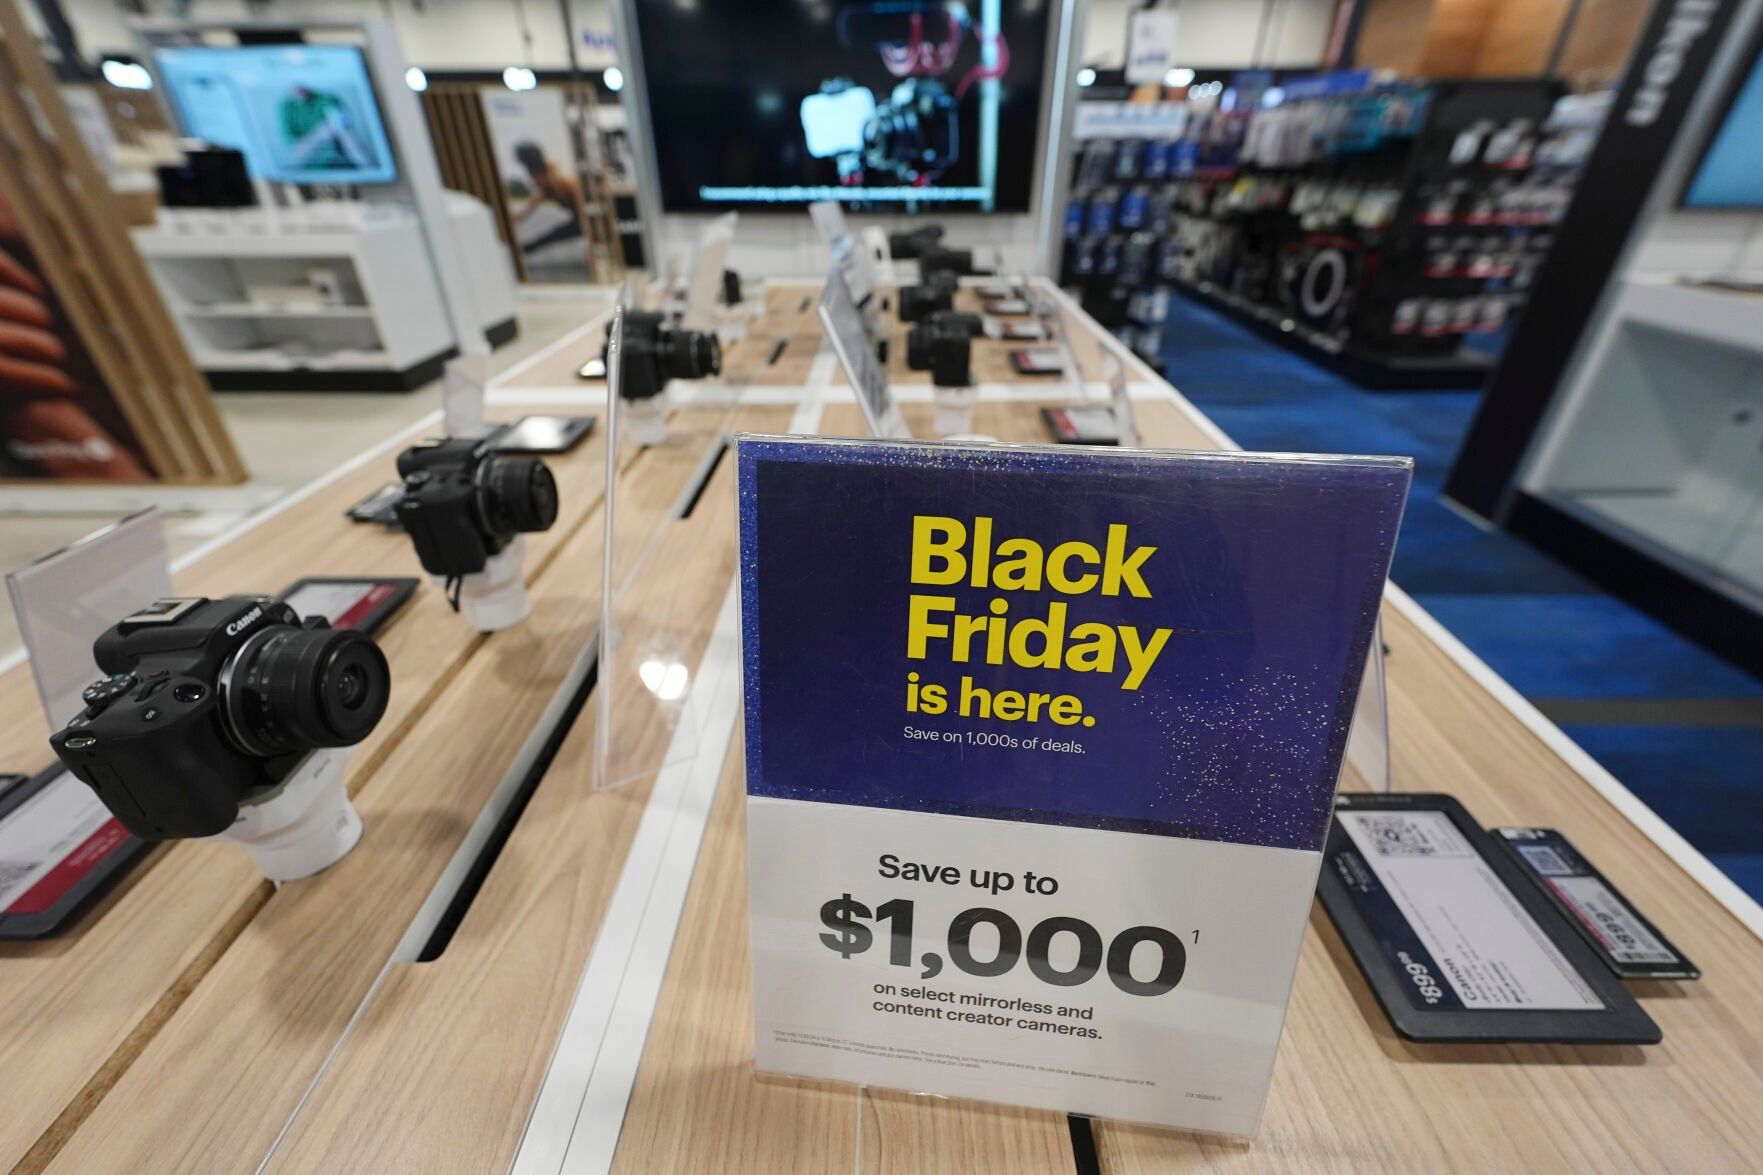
1151, 47
1131, 120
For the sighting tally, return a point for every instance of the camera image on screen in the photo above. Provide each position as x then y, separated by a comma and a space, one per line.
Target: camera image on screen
915, 106
210, 704
914, 135
463, 504
657, 352
943, 345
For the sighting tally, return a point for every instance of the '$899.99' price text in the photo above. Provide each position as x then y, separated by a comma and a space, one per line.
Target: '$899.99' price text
847, 935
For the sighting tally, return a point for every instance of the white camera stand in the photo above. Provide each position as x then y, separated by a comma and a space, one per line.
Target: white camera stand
952, 411
495, 598
646, 419
302, 827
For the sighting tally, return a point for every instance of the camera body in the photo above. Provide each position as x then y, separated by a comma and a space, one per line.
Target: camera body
210, 703
942, 344
656, 352
937, 259
463, 504
905, 246
935, 293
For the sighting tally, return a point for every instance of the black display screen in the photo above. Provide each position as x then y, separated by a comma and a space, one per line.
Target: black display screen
886, 105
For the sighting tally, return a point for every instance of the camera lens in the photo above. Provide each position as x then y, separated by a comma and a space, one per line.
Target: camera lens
518, 494
692, 354
294, 689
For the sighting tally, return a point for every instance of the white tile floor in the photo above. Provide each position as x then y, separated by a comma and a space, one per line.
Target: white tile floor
287, 440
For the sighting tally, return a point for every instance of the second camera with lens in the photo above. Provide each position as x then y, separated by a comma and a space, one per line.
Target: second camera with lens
657, 352
942, 344
466, 508
215, 709
936, 292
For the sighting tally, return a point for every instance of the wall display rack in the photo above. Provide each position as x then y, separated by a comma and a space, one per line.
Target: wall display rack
1388, 231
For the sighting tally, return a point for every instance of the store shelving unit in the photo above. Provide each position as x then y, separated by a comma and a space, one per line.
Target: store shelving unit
1394, 249
273, 305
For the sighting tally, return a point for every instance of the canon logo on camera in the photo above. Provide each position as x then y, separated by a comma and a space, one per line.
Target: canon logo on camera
245, 621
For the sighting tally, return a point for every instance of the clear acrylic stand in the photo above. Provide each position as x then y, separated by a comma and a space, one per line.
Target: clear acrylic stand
1126, 421
644, 669
66, 600
1368, 740
1052, 318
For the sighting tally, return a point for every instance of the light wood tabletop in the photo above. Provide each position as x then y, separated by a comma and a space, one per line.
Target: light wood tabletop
517, 967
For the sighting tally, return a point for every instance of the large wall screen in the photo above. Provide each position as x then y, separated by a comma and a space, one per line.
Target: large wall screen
883, 105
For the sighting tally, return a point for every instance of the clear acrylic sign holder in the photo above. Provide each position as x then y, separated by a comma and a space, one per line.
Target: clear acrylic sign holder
66, 600
843, 323
1368, 739
1052, 319
644, 669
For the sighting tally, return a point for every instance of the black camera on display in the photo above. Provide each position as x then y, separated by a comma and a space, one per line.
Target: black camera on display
940, 260
909, 245
943, 345
463, 504
936, 292
657, 351
210, 703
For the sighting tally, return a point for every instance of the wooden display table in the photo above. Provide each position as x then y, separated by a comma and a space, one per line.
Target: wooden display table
516, 969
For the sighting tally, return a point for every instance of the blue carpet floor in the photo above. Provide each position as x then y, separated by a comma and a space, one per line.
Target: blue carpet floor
1680, 727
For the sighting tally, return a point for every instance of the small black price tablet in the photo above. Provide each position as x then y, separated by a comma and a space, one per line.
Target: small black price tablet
542, 434
1016, 330
379, 507
361, 603
1090, 424
1629, 944
60, 848
1037, 361
1455, 941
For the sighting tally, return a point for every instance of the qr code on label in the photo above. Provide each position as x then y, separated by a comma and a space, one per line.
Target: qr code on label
1398, 834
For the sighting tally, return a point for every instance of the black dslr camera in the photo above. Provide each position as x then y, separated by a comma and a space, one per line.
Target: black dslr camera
943, 345
940, 260
908, 245
656, 351
936, 292
210, 703
462, 504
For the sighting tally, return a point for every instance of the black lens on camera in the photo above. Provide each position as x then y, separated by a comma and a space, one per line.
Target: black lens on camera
519, 494
692, 354
295, 689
